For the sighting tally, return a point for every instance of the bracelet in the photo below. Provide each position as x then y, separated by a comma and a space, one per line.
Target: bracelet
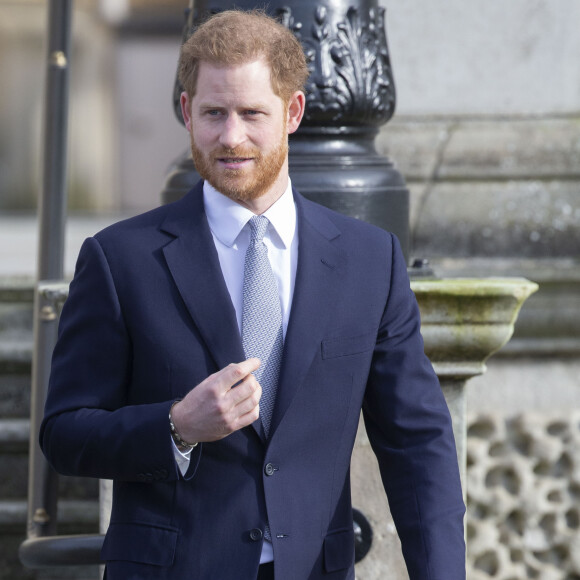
176, 436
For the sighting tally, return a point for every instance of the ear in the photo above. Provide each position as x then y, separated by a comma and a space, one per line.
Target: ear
186, 110
296, 107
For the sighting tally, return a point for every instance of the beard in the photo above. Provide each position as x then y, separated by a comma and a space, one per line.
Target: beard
244, 184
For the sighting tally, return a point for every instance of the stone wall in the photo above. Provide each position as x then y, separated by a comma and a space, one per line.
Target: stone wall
523, 497
485, 58
523, 491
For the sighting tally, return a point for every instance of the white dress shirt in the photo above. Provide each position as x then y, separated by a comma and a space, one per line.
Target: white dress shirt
228, 222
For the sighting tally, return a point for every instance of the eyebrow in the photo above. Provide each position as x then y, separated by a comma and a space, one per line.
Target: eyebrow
252, 106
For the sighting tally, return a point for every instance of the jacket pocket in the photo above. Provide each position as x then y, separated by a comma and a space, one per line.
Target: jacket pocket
144, 543
344, 346
339, 550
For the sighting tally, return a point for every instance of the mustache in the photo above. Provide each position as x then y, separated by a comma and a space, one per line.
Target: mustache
242, 152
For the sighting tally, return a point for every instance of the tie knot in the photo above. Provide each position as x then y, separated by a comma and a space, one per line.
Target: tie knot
258, 227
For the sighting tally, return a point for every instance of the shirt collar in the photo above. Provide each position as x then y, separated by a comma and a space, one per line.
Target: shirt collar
227, 218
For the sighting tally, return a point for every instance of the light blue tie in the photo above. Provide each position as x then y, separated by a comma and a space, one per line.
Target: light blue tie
262, 318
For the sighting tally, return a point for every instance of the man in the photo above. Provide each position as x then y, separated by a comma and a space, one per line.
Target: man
215, 353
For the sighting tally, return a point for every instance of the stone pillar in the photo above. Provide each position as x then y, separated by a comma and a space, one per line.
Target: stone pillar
464, 321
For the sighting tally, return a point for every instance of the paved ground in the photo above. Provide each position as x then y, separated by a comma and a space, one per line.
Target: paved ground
19, 239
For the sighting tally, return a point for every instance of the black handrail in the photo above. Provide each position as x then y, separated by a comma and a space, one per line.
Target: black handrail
53, 551
42, 485
43, 548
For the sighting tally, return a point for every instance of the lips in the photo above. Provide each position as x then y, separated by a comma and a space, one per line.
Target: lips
234, 160
235, 154
235, 163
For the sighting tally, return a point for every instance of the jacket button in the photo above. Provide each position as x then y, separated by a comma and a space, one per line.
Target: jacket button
270, 469
256, 534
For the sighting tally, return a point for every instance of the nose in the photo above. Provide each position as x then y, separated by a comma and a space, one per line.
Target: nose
233, 133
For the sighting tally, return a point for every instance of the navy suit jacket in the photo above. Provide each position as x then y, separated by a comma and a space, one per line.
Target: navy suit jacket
149, 317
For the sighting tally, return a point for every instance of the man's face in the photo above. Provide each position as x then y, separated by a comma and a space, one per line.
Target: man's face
239, 131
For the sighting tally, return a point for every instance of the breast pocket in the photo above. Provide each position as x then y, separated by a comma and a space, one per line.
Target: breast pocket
349, 345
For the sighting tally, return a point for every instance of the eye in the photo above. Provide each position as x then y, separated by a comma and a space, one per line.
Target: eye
212, 113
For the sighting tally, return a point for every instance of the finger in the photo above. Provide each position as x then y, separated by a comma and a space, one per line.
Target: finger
248, 411
250, 365
246, 389
235, 373
248, 418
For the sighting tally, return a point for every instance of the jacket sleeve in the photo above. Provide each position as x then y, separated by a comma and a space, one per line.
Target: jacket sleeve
89, 428
410, 430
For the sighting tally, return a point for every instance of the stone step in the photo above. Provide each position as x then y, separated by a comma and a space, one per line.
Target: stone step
16, 299
14, 435
15, 374
15, 380
15, 393
16, 289
15, 317
16, 346
15, 351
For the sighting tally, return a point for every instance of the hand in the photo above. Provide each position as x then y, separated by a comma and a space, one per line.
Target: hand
223, 403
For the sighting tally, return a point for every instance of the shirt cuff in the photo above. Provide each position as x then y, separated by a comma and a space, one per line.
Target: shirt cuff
181, 457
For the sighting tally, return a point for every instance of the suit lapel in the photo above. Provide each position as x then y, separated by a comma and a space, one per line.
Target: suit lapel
194, 264
317, 282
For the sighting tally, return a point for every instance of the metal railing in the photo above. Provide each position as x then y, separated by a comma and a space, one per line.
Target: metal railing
43, 548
